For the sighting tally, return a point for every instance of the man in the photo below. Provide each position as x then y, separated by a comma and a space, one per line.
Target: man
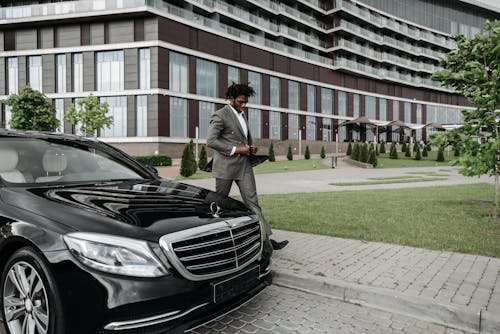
229, 137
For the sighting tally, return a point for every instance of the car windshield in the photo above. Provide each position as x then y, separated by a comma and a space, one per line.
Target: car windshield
32, 160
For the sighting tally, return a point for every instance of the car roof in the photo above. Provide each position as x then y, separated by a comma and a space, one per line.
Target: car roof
44, 135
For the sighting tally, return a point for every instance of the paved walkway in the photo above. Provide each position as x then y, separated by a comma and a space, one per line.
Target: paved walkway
456, 290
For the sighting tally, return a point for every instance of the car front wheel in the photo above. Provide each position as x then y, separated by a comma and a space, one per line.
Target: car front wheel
30, 302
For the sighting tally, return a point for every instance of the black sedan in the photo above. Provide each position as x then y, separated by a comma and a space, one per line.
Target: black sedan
94, 242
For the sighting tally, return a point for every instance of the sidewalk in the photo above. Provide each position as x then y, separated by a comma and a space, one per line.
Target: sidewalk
456, 290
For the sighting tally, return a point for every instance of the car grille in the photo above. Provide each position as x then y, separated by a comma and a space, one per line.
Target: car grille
214, 250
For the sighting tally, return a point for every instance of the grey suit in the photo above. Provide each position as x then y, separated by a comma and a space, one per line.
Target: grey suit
224, 133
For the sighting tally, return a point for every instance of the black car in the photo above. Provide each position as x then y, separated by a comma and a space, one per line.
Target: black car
94, 242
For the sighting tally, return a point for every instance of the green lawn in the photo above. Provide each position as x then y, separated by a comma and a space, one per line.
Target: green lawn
452, 218
430, 161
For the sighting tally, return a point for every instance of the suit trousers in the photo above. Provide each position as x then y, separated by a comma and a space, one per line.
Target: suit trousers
248, 191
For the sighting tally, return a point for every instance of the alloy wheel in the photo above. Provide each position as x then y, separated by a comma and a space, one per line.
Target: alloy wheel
25, 302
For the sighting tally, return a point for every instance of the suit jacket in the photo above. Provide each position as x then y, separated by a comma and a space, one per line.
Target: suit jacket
225, 132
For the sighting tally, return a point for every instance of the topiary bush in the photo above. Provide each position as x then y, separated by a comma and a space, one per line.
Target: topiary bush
154, 160
403, 147
440, 155
355, 152
424, 151
372, 159
202, 159
382, 147
415, 146
408, 152
394, 151
323, 153
188, 161
349, 149
271, 153
418, 156
307, 154
363, 156
289, 154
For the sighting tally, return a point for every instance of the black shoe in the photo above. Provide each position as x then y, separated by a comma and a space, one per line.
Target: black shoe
279, 245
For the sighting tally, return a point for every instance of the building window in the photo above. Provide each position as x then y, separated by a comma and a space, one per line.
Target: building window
178, 117
61, 74
110, 71
293, 126
342, 110
206, 78
275, 96
310, 128
382, 103
254, 122
35, 72
233, 75
118, 109
142, 116
77, 72
254, 80
59, 105
395, 117
355, 105
293, 96
178, 73
13, 76
327, 129
311, 98
370, 113
206, 110
275, 125
144, 69
326, 101
407, 112
419, 121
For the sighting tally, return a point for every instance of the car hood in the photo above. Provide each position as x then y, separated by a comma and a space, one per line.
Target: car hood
133, 208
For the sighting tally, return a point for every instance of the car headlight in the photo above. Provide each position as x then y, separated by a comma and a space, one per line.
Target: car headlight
116, 255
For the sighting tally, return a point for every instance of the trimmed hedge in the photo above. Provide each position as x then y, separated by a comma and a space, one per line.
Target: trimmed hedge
154, 160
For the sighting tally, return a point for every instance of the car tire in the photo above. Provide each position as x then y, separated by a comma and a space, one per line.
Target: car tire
29, 295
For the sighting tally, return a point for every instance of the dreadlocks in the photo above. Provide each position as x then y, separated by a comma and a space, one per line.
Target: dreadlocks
236, 90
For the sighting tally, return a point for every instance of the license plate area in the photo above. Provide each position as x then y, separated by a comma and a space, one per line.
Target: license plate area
234, 286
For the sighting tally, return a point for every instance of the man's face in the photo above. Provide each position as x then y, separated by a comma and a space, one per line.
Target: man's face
239, 102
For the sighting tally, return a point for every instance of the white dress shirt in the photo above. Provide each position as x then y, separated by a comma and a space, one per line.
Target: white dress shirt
243, 123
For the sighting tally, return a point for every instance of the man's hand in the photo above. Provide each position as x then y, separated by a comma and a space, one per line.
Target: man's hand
243, 150
253, 149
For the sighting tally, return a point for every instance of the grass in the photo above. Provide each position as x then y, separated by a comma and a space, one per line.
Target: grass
389, 181
273, 167
430, 161
440, 218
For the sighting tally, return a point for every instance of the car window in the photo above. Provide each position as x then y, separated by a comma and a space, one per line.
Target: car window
31, 160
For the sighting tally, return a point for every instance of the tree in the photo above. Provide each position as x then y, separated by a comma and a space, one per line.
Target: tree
403, 147
473, 70
349, 149
382, 147
424, 151
271, 153
89, 116
363, 153
373, 158
418, 156
188, 161
202, 159
289, 154
323, 153
408, 152
440, 155
31, 111
307, 154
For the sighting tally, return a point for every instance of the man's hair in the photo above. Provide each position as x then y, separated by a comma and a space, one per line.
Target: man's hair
236, 90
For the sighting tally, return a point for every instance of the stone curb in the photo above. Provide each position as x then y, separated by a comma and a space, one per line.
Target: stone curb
426, 309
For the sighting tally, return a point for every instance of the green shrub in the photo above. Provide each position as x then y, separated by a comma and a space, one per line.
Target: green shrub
271, 153
372, 159
429, 148
415, 146
394, 151
363, 157
349, 149
440, 155
289, 154
418, 156
457, 151
376, 149
154, 160
403, 147
323, 153
382, 147
424, 151
202, 159
307, 154
188, 162
408, 152
355, 152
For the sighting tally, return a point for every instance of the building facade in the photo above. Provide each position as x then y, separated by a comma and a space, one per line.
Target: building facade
163, 66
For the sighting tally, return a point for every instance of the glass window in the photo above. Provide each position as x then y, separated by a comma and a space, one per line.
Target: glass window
110, 71
254, 122
59, 105
205, 112
326, 101
395, 117
178, 117
311, 128
419, 121
144, 69
311, 98
275, 92
13, 76
370, 107
61, 74
382, 109
118, 109
233, 75
274, 125
293, 126
206, 78
355, 105
254, 80
178, 73
407, 112
327, 129
35, 72
77, 72
342, 110
142, 116
293, 96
